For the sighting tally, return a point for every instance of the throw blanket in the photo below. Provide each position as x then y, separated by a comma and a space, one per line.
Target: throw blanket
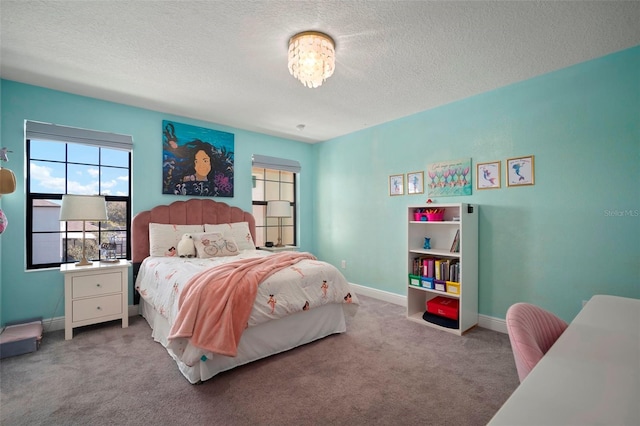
215, 304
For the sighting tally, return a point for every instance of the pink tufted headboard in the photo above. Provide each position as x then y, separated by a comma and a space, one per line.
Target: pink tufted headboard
194, 211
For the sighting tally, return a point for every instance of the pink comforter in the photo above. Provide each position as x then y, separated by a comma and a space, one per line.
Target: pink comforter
215, 305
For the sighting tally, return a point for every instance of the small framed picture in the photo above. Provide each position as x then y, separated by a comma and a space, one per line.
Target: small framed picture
396, 184
415, 183
488, 175
520, 171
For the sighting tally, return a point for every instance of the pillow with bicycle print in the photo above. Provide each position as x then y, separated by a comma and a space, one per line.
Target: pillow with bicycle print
214, 244
238, 231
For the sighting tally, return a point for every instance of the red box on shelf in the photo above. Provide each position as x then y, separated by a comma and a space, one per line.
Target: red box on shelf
444, 306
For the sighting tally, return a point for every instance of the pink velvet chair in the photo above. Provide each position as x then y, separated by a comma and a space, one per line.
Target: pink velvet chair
532, 331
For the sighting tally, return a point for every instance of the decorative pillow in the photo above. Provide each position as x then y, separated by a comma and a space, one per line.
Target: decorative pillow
214, 244
163, 238
238, 231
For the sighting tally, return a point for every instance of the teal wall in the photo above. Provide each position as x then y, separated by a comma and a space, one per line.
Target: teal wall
555, 243
39, 293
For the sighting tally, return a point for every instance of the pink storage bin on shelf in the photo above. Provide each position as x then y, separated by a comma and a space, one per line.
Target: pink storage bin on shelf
435, 217
420, 217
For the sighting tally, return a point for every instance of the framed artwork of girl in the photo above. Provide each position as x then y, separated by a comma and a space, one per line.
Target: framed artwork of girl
196, 161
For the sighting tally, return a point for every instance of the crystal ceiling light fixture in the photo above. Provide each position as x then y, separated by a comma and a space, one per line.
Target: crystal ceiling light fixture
312, 57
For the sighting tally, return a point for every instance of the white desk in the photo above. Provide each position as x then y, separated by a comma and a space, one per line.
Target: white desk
590, 376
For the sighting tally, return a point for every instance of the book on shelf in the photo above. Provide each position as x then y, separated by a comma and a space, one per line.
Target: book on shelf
440, 269
417, 266
449, 270
428, 264
454, 271
455, 245
423, 266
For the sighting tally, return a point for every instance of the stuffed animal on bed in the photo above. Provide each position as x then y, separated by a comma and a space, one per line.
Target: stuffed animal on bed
186, 247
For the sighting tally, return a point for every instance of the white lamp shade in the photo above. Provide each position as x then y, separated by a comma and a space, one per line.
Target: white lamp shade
83, 207
278, 208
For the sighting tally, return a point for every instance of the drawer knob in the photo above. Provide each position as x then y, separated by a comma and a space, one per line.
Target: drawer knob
99, 308
98, 285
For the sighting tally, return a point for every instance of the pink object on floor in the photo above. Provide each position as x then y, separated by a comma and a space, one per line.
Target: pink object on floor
18, 339
22, 331
532, 331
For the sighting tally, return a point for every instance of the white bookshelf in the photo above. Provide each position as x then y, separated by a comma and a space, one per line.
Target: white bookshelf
442, 234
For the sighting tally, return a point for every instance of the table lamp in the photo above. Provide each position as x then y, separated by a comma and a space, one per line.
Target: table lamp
279, 209
84, 208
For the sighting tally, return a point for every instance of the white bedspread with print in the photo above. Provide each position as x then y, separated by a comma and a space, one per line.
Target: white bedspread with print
299, 287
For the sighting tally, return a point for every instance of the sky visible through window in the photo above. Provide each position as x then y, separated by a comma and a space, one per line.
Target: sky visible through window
91, 170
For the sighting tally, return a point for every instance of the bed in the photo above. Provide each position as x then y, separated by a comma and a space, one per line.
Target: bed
277, 322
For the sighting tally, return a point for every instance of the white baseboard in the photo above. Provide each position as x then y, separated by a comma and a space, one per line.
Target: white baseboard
492, 323
484, 321
396, 299
53, 324
57, 323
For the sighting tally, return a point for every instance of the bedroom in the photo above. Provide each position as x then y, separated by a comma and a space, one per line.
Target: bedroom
548, 244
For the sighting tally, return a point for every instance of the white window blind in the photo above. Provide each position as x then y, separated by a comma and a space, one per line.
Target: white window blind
274, 163
35, 130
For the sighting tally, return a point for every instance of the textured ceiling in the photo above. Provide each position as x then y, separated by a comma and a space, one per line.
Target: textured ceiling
225, 61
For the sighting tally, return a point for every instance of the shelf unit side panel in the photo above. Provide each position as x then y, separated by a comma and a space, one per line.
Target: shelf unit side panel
469, 264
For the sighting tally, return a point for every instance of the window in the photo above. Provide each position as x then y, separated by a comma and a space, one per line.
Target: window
274, 179
61, 163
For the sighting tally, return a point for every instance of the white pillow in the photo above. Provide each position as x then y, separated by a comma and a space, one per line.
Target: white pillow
214, 244
238, 231
163, 238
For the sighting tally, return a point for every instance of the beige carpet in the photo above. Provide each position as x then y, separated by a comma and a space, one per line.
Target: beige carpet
385, 370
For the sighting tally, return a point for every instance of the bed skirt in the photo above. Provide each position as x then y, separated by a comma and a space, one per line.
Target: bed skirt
257, 342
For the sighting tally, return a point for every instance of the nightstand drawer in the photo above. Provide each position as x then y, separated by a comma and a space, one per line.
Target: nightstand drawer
95, 285
97, 307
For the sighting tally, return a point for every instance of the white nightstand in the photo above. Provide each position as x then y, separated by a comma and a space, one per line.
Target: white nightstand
277, 249
95, 293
